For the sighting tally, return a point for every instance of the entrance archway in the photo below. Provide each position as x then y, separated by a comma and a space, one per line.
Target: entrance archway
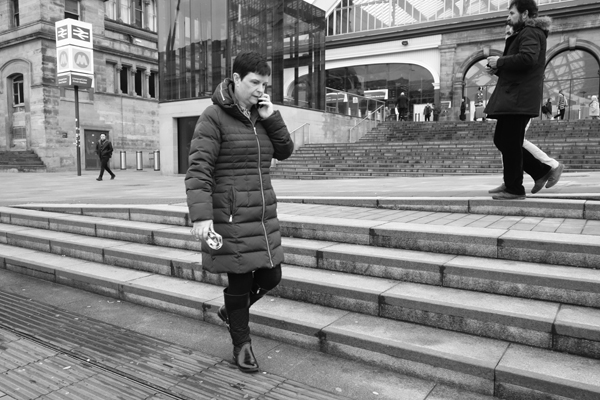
577, 73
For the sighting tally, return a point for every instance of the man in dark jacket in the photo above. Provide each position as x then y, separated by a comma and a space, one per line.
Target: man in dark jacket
104, 150
402, 105
517, 96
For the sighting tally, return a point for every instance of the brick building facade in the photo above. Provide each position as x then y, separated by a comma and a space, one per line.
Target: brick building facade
38, 115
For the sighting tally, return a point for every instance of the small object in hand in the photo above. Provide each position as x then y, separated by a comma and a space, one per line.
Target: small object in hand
214, 240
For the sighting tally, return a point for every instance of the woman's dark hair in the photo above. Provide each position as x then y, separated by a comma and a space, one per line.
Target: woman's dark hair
525, 5
251, 61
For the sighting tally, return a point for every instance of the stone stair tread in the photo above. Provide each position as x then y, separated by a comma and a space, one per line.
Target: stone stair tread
570, 376
532, 314
525, 272
578, 322
466, 353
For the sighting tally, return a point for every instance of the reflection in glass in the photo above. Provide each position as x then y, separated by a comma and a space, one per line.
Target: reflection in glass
199, 39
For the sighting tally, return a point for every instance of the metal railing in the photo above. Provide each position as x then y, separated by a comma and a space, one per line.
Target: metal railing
301, 135
354, 105
369, 15
373, 119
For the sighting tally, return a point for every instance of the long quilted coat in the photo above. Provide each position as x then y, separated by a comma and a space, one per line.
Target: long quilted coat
228, 182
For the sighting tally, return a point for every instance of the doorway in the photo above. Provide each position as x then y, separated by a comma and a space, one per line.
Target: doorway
92, 162
185, 132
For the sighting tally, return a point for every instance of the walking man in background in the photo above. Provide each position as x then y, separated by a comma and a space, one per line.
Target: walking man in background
562, 104
104, 150
518, 95
402, 105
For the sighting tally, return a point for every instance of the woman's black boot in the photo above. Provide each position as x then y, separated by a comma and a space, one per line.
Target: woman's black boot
237, 308
256, 294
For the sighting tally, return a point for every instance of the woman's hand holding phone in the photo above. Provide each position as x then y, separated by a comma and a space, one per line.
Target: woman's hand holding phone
265, 107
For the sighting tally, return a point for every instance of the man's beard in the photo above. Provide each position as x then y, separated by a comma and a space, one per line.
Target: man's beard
517, 26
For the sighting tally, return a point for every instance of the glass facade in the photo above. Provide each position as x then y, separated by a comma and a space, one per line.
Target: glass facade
368, 15
383, 82
199, 39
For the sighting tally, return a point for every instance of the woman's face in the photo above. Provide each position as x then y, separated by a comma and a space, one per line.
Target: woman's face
249, 89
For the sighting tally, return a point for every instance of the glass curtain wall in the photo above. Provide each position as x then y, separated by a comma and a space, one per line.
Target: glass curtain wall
384, 82
199, 39
192, 44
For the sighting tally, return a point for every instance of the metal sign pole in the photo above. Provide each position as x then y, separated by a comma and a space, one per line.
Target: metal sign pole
77, 137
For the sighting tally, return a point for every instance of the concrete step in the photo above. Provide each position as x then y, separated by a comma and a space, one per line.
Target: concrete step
109, 248
470, 362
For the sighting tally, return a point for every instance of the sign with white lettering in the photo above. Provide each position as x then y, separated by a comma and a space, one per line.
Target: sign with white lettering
70, 79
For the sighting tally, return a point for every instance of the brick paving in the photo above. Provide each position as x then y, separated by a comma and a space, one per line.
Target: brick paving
535, 224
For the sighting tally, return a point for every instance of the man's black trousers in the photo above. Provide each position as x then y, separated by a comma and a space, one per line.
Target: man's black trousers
508, 138
104, 166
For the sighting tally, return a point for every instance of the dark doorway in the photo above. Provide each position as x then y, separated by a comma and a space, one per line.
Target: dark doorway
91, 158
185, 132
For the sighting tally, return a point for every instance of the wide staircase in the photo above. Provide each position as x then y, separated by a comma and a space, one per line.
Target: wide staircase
21, 161
497, 299
438, 148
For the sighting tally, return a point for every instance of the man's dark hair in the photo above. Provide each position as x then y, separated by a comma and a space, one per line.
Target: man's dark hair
525, 5
251, 61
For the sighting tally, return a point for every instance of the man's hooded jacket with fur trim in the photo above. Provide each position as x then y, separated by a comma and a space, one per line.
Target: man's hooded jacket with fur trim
520, 71
228, 182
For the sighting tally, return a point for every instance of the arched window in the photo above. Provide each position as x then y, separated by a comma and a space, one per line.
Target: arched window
18, 93
577, 74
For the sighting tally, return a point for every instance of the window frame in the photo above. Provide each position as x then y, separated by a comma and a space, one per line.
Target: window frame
16, 20
128, 12
69, 14
18, 89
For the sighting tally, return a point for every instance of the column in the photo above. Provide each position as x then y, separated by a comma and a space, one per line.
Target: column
131, 83
146, 88
119, 68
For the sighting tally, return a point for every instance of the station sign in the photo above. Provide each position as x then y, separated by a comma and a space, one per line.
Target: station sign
74, 53
77, 59
71, 32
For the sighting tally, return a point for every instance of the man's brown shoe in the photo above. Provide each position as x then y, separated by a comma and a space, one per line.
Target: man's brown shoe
555, 174
539, 184
508, 196
499, 189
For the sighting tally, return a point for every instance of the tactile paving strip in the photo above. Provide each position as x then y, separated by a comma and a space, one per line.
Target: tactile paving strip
50, 353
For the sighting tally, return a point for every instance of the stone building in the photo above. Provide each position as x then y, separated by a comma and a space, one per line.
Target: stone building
436, 51
38, 115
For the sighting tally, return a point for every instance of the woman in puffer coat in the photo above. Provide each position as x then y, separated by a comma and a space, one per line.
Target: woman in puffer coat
229, 191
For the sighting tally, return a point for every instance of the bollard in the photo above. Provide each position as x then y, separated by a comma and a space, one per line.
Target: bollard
123, 160
156, 160
139, 163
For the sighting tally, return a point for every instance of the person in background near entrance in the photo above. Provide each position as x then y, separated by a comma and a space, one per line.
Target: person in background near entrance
229, 193
104, 149
427, 112
562, 105
402, 105
463, 110
479, 105
547, 108
594, 108
517, 97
